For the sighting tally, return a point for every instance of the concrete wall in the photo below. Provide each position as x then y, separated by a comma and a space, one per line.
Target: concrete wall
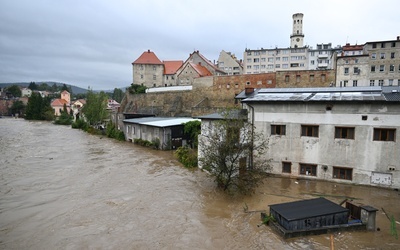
364, 155
148, 71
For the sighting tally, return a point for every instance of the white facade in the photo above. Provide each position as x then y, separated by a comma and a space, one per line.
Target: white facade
297, 37
229, 63
349, 137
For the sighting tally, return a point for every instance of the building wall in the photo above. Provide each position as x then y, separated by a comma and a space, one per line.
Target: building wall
229, 63
271, 60
384, 54
367, 158
305, 78
149, 75
352, 71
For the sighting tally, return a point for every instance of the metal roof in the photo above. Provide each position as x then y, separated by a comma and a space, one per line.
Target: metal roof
160, 121
325, 94
233, 114
303, 209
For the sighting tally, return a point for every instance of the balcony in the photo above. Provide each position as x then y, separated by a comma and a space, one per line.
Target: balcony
322, 56
322, 65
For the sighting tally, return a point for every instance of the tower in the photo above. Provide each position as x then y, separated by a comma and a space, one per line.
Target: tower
297, 36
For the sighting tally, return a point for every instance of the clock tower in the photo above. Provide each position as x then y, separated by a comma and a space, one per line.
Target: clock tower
297, 36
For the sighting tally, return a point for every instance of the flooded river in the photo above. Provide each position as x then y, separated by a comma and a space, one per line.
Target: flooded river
62, 188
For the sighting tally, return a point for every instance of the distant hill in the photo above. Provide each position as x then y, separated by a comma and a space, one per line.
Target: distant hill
75, 89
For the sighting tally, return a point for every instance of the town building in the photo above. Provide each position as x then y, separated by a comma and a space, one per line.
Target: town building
347, 135
58, 104
229, 63
196, 66
148, 70
322, 57
163, 132
371, 64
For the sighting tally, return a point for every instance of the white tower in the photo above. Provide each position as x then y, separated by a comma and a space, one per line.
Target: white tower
297, 36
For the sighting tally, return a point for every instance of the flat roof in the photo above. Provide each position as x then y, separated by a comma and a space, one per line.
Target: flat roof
332, 94
303, 209
160, 121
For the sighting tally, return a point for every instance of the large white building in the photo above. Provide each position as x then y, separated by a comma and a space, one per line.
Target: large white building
296, 57
348, 135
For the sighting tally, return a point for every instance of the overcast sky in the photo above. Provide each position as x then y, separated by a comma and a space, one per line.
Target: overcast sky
92, 43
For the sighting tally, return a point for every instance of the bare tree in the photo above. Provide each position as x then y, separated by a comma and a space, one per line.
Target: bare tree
227, 149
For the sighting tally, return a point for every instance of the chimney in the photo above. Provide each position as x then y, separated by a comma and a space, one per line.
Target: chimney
200, 63
248, 90
148, 51
398, 38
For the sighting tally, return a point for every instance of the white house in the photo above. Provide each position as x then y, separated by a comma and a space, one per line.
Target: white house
345, 135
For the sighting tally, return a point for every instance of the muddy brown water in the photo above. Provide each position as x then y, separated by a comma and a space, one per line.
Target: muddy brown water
62, 188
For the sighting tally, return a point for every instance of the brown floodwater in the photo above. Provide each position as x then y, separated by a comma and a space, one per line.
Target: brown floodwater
62, 188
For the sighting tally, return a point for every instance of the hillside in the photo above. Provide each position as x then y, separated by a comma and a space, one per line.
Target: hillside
75, 89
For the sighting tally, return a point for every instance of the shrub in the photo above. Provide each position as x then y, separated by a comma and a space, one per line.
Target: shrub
186, 156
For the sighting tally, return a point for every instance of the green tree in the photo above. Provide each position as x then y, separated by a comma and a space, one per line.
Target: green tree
15, 90
227, 149
137, 89
38, 108
54, 88
32, 86
117, 95
43, 87
65, 118
17, 107
192, 130
95, 109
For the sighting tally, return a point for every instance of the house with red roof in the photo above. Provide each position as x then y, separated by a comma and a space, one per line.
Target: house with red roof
196, 66
58, 104
150, 71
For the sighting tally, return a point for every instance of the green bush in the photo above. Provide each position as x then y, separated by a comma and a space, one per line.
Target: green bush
186, 156
80, 124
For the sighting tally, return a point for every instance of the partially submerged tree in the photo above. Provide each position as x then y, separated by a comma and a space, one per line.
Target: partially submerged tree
39, 108
95, 109
227, 149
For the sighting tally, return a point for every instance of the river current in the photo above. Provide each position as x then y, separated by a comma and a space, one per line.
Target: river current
62, 188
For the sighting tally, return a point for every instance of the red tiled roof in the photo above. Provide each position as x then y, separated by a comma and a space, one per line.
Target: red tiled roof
59, 102
148, 57
170, 67
201, 70
209, 62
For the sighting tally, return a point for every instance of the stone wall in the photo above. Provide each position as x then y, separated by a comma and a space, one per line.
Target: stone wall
305, 78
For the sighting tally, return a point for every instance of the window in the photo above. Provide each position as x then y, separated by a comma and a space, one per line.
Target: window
286, 167
392, 55
390, 82
373, 56
371, 82
270, 59
312, 62
384, 134
374, 45
141, 76
285, 66
277, 66
383, 55
344, 132
278, 129
256, 60
346, 71
308, 169
323, 77
380, 83
249, 60
297, 78
263, 59
311, 78
285, 58
343, 173
345, 83
391, 68
381, 68
154, 67
382, 45
356, 61
309, 130
373, 68
154, 77
286, 78
356, 70
355, 83
393, 44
